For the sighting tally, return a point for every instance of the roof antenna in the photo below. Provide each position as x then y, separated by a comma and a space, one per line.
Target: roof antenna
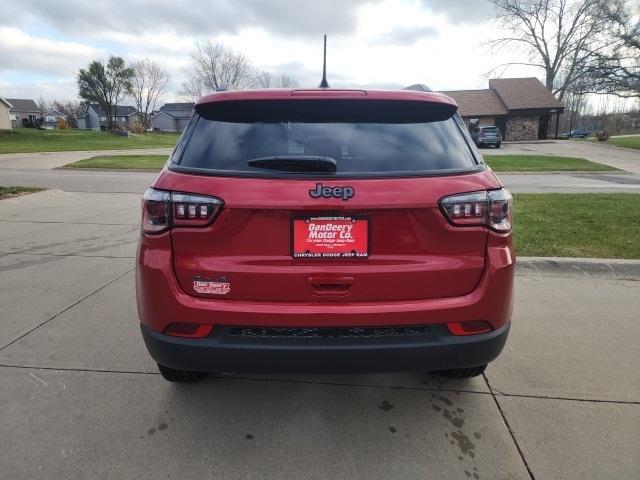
324, 83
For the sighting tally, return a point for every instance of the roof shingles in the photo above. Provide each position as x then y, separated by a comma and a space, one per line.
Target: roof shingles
503, 96
523, 93
23, 105
481, 103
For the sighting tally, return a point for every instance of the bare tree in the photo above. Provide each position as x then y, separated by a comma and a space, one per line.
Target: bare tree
268, 80
148, 85
215, 67
561, 37
616, 69
70, 109
43, 105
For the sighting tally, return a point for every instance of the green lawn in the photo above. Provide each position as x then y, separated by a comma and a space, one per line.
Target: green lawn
122, 162
628, 142
543, 163
602, 225
8, 192
31, 140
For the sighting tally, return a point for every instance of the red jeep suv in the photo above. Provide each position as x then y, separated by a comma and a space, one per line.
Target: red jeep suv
325, 230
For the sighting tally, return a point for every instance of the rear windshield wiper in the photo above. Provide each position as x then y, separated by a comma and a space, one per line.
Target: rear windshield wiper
296, 163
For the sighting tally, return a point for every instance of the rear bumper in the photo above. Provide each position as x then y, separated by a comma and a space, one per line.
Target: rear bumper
226, 352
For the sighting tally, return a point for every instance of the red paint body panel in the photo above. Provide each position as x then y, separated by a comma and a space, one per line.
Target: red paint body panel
413, 251
161, 301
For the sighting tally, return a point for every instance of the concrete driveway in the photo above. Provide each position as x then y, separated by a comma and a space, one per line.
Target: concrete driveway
80, 397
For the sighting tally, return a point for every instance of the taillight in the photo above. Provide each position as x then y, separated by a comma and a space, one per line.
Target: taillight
487, 208
194, 210
155, 211
162, 210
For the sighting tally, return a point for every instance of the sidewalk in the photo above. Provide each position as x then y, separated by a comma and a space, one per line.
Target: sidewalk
49, 160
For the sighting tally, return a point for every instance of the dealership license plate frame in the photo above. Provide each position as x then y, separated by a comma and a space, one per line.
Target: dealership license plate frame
342, 255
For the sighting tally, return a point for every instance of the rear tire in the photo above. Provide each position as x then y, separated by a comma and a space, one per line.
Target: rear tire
181, 376
469, 372
498, 145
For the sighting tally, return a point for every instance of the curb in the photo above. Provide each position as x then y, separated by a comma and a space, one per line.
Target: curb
584, 266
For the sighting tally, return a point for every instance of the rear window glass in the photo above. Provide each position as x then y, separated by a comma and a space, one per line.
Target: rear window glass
489, 129
369, 143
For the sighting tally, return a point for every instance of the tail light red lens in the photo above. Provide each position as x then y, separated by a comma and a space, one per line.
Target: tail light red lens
473, 327
162, 210
487, 208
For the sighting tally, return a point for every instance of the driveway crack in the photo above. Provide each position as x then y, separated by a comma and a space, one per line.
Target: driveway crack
506, 423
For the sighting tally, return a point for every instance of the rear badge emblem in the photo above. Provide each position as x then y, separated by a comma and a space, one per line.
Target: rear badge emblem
345, 193
219, 286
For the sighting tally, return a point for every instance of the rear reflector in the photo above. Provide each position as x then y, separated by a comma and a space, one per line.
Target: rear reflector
487, 208
472, 327
189, 330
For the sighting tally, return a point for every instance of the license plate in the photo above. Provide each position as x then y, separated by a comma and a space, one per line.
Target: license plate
330, 237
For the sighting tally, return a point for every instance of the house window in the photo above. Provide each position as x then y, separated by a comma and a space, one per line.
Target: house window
32, 117
474, 123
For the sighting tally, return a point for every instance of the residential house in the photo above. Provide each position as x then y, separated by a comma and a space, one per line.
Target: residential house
172, 117
51, 119
95, 118
5, 122
24, 113
522, 108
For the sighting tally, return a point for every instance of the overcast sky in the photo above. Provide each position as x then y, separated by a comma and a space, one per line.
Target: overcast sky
376, 44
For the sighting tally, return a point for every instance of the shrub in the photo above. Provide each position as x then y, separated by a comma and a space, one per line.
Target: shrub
603, 135
136, 128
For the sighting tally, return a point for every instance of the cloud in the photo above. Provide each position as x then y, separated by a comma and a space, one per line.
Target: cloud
405, 36
200, 19
461, 11
50, 90
20, 52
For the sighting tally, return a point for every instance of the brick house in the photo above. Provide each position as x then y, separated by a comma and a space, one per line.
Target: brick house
522, 108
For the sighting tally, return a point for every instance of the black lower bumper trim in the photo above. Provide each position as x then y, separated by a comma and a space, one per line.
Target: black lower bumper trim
226, 353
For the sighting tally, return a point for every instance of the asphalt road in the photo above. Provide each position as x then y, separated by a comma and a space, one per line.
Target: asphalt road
80, 397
